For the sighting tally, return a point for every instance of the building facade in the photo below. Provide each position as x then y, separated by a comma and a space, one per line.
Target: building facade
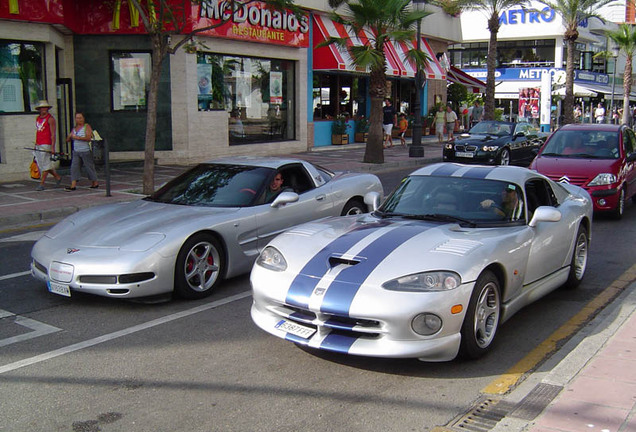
249, 84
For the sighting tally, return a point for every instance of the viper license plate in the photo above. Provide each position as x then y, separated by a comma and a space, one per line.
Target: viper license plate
464, 154
295, 329
60, 289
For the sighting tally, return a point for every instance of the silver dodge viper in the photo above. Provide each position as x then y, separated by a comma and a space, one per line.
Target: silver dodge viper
451, 254
205, 225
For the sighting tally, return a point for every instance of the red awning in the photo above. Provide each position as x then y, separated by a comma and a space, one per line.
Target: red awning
460, 77
333, 57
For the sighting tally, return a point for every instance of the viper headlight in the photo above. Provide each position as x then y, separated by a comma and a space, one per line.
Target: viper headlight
489, 148
272, 259
427, 282
603, 179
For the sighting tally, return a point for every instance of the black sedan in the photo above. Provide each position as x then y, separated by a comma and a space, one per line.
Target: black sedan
493, 142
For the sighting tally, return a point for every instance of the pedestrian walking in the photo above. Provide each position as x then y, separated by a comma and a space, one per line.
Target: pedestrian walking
440, 123
45, 143
451, 122
389, 118
81, 136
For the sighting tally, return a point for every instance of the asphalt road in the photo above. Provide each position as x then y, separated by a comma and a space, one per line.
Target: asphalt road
96, 364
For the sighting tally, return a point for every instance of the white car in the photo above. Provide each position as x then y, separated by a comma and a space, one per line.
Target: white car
205, 225
453, 252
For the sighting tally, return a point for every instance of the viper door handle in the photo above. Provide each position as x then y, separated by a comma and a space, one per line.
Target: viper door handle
321, 197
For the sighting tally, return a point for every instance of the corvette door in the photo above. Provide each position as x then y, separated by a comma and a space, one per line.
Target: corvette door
313, 203
552, 240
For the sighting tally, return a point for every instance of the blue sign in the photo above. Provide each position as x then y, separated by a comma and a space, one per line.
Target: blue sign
523, 16
513, 74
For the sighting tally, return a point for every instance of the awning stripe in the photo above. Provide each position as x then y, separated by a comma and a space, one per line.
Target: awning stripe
460, 77
397, 63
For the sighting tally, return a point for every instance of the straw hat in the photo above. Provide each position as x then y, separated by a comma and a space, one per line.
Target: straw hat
43, 104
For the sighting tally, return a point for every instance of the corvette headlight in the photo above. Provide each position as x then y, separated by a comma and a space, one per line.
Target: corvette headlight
489, 148
427, 282
272, 259
603, 179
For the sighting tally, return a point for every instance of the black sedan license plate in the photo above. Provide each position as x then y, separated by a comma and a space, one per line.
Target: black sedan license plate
464, 154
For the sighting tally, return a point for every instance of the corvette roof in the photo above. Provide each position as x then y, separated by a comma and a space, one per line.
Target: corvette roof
260, 161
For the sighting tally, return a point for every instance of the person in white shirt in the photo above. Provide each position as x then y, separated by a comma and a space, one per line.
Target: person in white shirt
599, 114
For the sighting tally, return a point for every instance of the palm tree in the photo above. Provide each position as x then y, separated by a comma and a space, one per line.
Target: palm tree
573, 12
492, 9
625, 38
383, 21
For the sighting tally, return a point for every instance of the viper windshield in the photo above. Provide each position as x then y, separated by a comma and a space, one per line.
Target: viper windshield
455, 199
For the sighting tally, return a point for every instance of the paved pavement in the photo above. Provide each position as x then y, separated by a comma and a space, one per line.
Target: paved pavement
587, 385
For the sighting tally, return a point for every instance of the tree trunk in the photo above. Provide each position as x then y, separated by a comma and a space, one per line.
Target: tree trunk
568, 101
491, 64
159, 51
627, 88
374, 151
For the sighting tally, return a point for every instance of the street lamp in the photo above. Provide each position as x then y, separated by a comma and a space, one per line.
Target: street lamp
615, 52
416, 149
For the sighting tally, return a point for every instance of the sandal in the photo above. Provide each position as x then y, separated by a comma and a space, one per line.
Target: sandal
93, 186
69, 189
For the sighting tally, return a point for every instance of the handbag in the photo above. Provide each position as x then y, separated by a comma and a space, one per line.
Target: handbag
35, 170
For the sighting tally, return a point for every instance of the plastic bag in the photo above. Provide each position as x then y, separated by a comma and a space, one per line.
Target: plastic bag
35, 170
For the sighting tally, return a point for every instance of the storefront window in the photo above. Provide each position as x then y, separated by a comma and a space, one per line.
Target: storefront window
257, 93
21, 76
130, 72
336, 94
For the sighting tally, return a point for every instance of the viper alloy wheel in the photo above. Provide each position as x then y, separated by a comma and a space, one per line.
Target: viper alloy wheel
482, 317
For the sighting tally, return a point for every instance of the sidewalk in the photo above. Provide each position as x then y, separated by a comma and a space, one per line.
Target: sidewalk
589, 384
21, 205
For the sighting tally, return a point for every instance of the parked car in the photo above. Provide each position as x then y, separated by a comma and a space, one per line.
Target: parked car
205, 225
601, 158
496, 143
453, 252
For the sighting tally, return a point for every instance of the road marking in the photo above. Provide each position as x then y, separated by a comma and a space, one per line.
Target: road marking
30, 236
39, 328
15, 275
504, 383
125, 332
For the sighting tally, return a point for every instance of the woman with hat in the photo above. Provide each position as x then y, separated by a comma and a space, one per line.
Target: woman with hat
45, 143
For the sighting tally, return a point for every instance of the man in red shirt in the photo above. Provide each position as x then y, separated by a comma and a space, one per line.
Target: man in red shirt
45, 143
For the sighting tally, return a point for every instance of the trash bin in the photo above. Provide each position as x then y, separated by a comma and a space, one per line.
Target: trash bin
98, 151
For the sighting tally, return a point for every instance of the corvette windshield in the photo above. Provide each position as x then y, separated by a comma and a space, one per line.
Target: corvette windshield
464, 200
215, 185
582, 144
494, 128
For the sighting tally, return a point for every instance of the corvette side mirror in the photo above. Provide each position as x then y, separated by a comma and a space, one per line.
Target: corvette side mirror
284, 198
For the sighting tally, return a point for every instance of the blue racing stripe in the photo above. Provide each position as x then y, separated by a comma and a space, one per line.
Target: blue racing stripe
345, 286
304, 283
478, 172
446, 170
338, 343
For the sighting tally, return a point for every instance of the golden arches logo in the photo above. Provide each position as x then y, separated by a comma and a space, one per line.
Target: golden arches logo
134, 13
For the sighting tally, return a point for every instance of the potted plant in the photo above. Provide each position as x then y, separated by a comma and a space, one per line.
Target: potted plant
362, 129
339, 135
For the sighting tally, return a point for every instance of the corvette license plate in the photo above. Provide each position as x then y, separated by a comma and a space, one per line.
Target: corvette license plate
464, 154
60, 289
295, 329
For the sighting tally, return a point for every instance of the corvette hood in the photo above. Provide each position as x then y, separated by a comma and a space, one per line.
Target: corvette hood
120, 224
349, 252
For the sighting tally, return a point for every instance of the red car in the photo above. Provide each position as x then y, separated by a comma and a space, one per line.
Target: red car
598, 157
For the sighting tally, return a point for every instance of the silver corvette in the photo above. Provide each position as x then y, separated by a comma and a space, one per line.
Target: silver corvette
205, 225
451, 254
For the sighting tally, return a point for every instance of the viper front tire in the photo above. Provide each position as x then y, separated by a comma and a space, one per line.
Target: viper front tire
482, 317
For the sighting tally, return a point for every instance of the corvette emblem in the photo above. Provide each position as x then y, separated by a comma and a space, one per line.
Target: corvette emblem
71, 251
564, 179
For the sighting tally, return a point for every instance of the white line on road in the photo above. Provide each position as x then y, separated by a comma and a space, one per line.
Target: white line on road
14, 275
39, 329
125, 332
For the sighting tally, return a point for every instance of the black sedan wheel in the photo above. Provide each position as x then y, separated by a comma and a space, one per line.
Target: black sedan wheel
482, 317
504, 158
199, 266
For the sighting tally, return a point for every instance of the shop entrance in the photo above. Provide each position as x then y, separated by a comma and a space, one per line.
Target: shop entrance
65, 120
